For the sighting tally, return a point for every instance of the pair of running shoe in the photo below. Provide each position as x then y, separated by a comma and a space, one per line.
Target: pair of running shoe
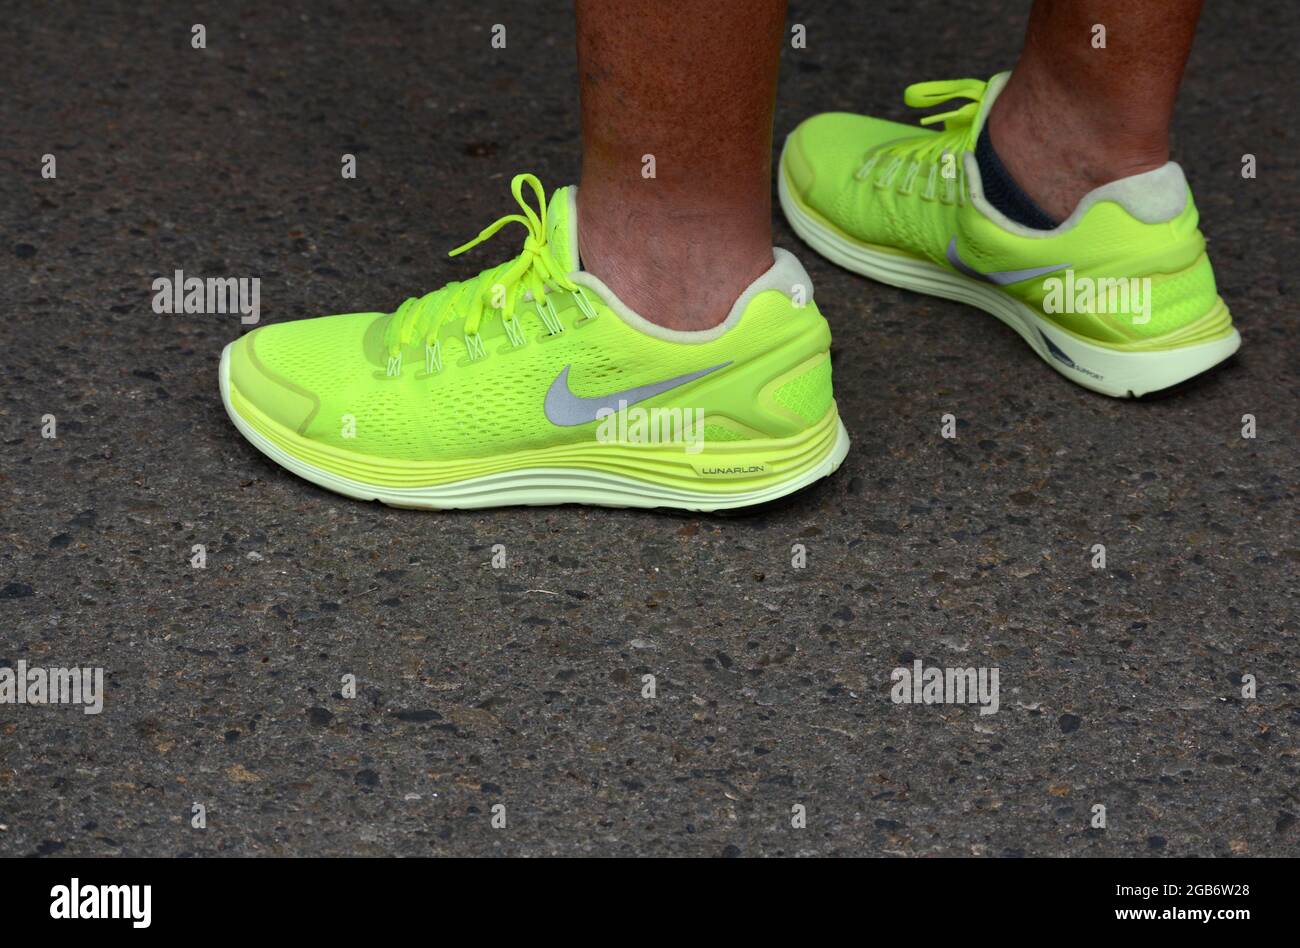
532, 383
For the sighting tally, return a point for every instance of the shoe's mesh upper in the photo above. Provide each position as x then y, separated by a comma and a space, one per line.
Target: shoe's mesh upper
496, 403
1179, 298
808, 394
1107, 243
721, 433
410, 387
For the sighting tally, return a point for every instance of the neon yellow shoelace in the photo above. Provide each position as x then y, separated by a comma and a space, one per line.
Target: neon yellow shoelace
498, 289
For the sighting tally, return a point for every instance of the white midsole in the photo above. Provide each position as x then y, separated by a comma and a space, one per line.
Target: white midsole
1109, 371
532, 486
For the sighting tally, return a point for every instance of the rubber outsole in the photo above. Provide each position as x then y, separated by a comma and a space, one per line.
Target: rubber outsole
1099, 368
534, 486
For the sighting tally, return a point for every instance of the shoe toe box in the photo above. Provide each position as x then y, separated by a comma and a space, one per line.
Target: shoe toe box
293, 372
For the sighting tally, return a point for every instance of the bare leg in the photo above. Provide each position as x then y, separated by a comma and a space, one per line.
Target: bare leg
693, 84
1074, 117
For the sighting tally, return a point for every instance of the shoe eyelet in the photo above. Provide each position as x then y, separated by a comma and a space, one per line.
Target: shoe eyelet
474, 346
584, 306
514, 333
549, 317
887, 177
432, 360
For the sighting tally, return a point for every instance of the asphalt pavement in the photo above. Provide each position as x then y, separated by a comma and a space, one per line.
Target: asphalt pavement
502, 711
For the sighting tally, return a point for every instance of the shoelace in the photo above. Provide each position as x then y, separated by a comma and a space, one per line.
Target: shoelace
911, 155
498, 289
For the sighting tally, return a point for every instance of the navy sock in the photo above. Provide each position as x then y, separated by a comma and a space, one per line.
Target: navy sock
1001, 190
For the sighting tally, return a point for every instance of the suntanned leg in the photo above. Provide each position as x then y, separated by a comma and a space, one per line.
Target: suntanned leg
693, 84
1073, 116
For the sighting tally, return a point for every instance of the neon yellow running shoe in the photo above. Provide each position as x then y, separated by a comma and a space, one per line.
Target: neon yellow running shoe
533, 384
1120, 297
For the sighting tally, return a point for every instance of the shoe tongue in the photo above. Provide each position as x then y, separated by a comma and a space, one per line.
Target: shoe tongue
562, 227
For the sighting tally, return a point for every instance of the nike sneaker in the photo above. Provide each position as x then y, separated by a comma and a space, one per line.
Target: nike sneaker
1120, 297
532, 383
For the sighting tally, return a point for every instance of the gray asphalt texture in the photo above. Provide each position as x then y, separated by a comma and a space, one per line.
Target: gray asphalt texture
522, 686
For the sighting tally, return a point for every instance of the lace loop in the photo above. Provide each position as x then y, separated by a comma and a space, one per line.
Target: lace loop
925, 95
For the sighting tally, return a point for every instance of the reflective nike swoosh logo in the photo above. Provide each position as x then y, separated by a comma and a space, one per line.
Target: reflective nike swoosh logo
566, 409
999, 277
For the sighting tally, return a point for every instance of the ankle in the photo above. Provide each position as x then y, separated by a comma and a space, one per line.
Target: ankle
679, 270
1058, 147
